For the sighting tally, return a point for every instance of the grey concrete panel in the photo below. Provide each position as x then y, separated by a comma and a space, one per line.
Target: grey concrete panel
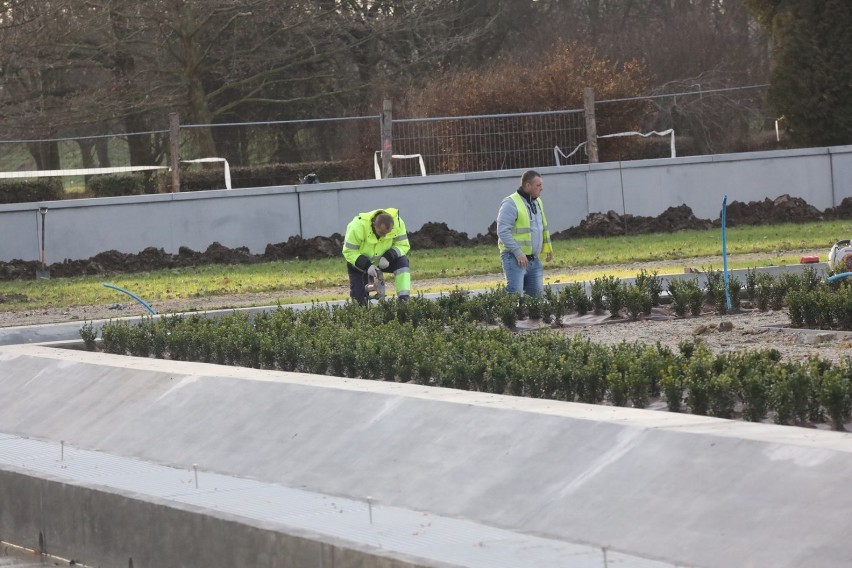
112, 528
78, 229
604, 190
229, 521
651, 190
20, 232
687, 489
841, 171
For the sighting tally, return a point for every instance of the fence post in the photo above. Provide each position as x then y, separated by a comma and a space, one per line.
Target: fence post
174, 133
387, 139
591, 127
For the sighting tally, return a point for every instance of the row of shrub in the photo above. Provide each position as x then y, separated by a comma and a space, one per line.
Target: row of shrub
30, 190
617, 297
826, 307
378, 343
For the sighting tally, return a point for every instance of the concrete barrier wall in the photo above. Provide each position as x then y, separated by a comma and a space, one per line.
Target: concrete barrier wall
79, 229
97, 527
690, 490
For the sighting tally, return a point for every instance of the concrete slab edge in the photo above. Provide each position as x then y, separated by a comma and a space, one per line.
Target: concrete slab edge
634, 417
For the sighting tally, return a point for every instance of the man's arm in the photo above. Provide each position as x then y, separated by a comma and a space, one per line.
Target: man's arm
506, 218
352, 245
401, 246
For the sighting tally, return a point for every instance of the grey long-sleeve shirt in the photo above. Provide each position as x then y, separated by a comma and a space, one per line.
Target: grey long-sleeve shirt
506, 218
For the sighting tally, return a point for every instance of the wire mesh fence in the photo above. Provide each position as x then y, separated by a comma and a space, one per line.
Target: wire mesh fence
485, 142
74, 161
287, 152
705, 121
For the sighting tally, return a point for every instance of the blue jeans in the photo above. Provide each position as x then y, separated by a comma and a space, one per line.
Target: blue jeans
529, 280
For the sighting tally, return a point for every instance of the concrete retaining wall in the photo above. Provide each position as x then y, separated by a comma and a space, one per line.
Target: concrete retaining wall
689, 490
79, 229
91, 524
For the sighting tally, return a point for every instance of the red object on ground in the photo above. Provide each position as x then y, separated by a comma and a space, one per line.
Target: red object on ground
809, 259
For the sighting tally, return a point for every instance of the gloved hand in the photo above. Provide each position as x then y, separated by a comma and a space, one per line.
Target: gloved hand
383, 263
373, 271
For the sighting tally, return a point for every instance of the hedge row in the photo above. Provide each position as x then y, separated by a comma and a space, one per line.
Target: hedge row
30, 190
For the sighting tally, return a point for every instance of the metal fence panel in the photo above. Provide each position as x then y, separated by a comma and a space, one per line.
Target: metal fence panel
486, 142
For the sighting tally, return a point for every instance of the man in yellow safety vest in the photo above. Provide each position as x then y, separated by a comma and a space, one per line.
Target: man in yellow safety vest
377, 241
523, 237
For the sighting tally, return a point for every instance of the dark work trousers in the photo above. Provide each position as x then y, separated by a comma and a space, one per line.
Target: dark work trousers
358, 279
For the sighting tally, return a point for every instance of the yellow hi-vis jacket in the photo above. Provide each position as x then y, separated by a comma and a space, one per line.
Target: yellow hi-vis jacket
362, 247
522, 232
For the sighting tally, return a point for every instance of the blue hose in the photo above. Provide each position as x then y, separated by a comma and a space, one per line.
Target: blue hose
839, 276
132, 295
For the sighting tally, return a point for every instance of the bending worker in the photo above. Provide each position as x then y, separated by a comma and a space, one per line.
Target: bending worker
523, 237
377, 241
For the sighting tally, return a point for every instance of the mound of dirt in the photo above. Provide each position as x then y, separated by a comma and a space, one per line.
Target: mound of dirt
611, 224
784, 209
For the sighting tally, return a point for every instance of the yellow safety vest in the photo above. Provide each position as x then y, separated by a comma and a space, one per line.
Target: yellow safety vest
522, 233
361, 239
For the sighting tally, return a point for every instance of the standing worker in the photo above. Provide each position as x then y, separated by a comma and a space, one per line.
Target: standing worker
377, 241
523, 236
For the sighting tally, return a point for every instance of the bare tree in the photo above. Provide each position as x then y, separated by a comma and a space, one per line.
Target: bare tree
122, 62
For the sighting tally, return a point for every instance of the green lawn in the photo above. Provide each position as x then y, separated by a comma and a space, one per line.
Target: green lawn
777, 245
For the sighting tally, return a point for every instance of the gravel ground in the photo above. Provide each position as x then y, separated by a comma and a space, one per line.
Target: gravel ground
749, 330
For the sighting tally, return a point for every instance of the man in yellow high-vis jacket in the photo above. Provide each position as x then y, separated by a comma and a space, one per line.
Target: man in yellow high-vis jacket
523, 237
377, 241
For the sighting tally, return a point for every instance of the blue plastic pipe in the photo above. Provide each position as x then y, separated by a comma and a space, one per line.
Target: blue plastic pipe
839, 276
132, 295
725, 253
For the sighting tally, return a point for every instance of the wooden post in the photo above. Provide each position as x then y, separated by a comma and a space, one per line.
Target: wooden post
174, 134
591, 127
387, 139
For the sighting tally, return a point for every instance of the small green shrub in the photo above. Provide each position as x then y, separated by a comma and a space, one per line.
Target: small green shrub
616, 291
508, 313
751, 283
650, 283
30, 190
764, 286
118, 185
722, 395
115, 337
556, 308
734, 290
637, 301
598, 292
686, 296
715, 290
673, 384
836, 395
754, 392
699, 376
89, 335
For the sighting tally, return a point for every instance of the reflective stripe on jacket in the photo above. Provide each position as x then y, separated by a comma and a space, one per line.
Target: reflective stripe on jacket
361, 240
522, 231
